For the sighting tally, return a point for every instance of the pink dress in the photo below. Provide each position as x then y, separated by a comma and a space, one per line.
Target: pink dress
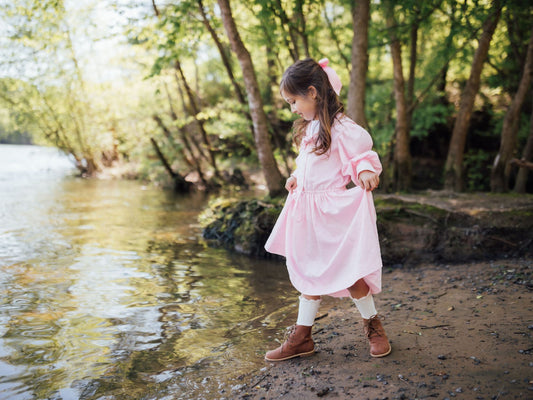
328, 233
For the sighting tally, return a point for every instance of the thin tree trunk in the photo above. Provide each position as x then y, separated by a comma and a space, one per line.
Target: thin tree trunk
226, 61
402, 155
501, 169
453, 170
180, 184
336, 39
279, 137
412, 69
194, 161
357, 88
223, 53
273, 177
277, 9
195, 111
197, 146
300, 18
168, 135
527, 155
190, 159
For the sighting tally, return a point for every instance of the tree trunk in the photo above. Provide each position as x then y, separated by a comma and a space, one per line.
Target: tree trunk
195, 162
277, 9
299, 15
223, 53
527, 155
273, 177
501, 170
402, 155
180, 184
197, 146
453, 170
195, 111
412, 69
357, 89
340, 47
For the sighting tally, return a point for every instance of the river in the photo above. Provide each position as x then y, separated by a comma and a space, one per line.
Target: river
108, 290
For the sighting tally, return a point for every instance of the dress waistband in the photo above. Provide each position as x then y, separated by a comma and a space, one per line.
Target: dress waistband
330, 190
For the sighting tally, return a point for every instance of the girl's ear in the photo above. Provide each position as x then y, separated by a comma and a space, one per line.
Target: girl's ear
311, 91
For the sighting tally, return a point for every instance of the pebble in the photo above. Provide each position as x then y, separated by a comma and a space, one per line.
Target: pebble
441, 357
324, 391
476, 360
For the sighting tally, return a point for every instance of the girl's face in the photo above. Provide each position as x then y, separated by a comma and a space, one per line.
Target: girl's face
304, 106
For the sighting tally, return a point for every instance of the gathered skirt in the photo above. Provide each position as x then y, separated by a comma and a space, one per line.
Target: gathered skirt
330, 240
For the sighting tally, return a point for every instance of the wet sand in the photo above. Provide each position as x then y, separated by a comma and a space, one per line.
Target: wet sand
457, 331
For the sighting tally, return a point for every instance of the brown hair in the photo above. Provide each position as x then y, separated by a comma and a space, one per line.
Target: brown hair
296, 81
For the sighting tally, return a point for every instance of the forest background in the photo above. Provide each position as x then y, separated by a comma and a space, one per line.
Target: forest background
186, 93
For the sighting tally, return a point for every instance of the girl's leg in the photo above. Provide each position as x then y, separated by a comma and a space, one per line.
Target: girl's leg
299, 341
307, 309
364, 301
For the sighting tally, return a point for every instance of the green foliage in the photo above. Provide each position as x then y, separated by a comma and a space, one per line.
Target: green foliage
427, 117
477, 164
61, 103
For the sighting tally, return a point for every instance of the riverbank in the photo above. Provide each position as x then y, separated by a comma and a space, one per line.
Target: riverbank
430, 226
457, 331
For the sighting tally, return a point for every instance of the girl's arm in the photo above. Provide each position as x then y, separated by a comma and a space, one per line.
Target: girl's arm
356, 155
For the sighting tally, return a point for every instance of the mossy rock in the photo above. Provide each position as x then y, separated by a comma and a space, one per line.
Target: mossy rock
241, 225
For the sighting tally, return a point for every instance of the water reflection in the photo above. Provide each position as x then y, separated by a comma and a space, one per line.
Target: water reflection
108, 290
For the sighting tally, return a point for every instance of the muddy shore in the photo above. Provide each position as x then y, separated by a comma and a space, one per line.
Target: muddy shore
456, 303
458, 331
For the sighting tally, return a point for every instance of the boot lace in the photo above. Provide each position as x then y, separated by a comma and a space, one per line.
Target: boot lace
287, 336
373, 328
288, 333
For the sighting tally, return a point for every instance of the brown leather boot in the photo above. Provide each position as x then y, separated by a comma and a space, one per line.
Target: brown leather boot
298, 343
379, 344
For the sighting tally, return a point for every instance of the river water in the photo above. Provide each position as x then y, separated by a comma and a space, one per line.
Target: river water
109, 292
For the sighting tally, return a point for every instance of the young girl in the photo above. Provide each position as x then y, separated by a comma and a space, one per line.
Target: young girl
326, 232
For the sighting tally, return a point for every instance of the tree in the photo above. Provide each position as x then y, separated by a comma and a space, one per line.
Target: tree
356, 92
402, 155
527, 155
264, 150
224, 56
501, 168
52, 94
453, 170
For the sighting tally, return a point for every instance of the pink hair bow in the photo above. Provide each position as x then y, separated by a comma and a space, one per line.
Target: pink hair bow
332, 75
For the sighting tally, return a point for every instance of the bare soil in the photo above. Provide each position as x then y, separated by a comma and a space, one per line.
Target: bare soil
457, 331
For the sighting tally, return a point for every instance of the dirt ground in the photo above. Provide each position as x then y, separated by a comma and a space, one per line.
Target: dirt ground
457, 331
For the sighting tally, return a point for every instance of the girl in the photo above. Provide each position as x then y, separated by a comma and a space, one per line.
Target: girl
326, 232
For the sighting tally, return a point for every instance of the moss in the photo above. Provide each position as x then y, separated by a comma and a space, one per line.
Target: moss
240, 225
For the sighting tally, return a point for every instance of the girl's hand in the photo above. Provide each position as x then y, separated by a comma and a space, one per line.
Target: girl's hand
369, 180
291, 183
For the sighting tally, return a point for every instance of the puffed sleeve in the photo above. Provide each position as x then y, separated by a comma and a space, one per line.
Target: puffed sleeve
355, 150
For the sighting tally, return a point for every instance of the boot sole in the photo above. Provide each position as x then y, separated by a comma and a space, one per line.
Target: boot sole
382, 355
309, 353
